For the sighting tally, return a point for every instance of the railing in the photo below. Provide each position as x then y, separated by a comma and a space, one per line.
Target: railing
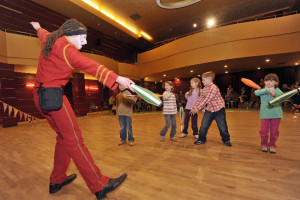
248, 19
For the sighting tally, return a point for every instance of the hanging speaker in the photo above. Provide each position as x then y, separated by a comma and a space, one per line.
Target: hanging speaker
98, 42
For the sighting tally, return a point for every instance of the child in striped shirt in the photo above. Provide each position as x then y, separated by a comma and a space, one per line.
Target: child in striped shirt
169, 111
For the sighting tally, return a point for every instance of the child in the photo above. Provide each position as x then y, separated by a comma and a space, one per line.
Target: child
270, 115
124, 112
211, 99
191, 97
169, 111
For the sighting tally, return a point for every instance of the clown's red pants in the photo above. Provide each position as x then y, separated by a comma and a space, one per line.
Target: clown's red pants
69, 144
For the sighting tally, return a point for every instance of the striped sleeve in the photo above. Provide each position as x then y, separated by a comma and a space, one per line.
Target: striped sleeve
88, 65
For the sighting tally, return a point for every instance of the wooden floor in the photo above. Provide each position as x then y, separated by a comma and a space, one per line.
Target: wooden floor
158, 170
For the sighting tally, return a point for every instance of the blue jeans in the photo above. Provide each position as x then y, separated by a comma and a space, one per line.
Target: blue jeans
125, 123
187, 117
170, 119
220, 117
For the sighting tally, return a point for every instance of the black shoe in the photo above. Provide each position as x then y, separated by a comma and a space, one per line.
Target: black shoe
112, 184
53, 187
228, 143
197, 142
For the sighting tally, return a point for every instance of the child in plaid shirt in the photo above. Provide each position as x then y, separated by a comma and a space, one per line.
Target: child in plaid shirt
213, 103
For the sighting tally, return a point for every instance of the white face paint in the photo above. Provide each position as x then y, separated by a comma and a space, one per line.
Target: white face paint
79, 41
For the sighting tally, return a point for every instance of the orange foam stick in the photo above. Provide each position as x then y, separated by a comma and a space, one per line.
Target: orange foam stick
250, 83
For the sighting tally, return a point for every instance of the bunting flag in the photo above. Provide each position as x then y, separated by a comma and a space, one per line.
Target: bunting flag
4, 106
9, 110
21, 114
15, 112
26, 115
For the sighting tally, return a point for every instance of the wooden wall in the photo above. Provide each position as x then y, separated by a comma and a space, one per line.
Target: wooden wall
84, 95
52, 20
286, 75
7, 94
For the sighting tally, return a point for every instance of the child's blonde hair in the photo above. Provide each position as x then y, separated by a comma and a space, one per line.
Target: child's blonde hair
199, 85
209, 74
171, 84
272, 77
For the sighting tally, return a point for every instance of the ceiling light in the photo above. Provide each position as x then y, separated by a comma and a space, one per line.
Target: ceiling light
267, 60
258, 68
107, 14
195, 25
137, 33
225, 66
146, 35
296, 63
131, 29
210, 22
91, 4
226, 72
191, 71
122, 23
165, 75
199, 75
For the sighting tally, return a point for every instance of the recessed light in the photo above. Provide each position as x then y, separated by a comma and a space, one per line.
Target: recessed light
296, 63
226, 72
199, 75
225, 66
191, 71
210, 22
195, 25
267, 60
258, 68
165, 75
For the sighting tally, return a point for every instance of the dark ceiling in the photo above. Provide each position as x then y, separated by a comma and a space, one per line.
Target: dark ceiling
167, 24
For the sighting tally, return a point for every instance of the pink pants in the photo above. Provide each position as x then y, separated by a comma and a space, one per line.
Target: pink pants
266, 125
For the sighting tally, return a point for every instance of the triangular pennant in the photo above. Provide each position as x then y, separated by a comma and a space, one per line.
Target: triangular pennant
15, 112
9, 110
4, 106
21, 114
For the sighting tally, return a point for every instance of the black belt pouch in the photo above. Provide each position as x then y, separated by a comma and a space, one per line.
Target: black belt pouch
50, 98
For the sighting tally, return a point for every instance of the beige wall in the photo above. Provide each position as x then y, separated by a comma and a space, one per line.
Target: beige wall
265, 37
23, 52
3, 49
128, 70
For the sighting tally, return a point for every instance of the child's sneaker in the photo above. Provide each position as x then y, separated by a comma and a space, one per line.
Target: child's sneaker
272, 150
131, 143
122, 142
183, 135
196, 136
162, 138
264, 149
173, 139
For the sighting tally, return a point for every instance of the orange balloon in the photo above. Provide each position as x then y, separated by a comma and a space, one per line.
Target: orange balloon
250, 83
